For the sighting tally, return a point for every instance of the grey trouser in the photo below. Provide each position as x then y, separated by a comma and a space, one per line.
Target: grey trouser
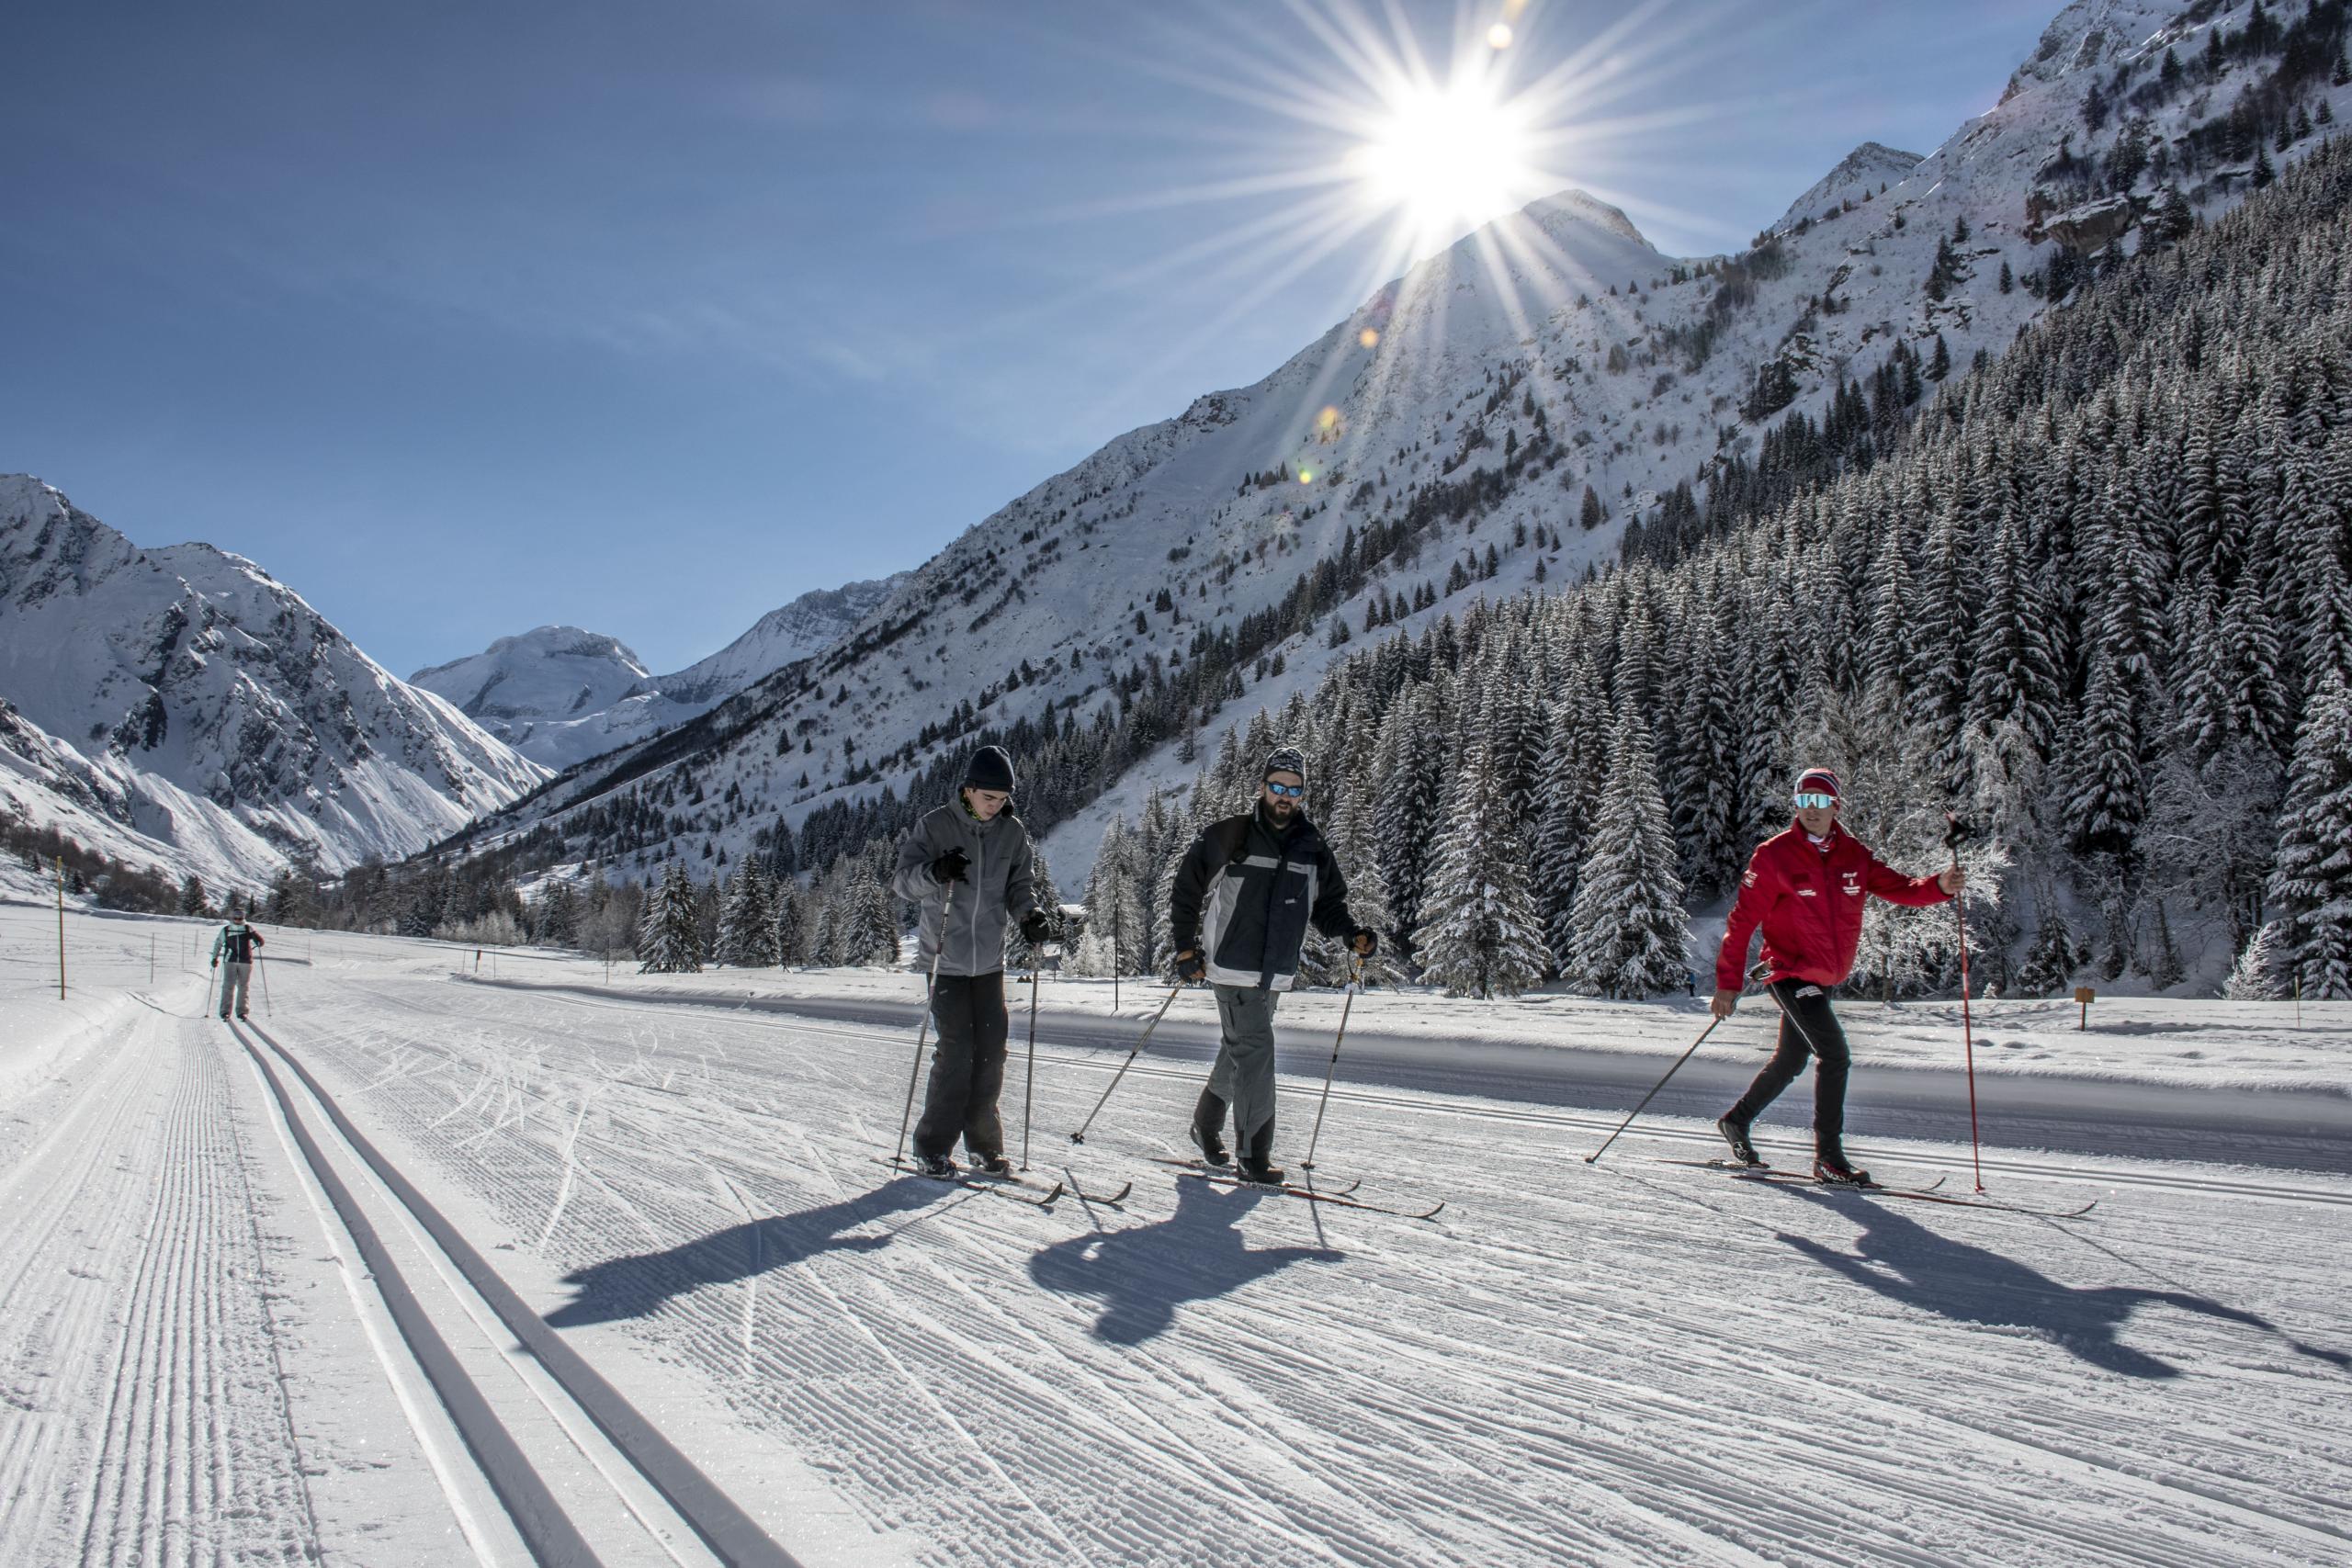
1244, 1074
234, 979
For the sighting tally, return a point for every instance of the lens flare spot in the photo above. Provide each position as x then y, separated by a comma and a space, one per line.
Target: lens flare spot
1306, 476
1498, 35
1369, 338
1328, 420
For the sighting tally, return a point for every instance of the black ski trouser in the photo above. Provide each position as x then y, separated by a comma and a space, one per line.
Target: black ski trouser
1807, 1029
967, 1067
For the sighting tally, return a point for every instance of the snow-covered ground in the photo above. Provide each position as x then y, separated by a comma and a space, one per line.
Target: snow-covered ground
1628, 1362
2143, 1039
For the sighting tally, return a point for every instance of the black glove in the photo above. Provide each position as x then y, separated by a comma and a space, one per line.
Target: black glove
950, 868
216, 964
1191, 965
1036, 927
1365, 942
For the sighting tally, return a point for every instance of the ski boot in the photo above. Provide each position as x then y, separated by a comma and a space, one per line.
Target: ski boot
991, 1164
1256, 1162
1207, 1131
939, 1167
1832, 1166
1735, 1133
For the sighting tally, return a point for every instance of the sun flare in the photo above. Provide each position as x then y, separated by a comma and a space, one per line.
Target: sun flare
1446, 158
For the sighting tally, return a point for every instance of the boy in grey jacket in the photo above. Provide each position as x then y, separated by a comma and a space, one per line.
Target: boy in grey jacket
967, 865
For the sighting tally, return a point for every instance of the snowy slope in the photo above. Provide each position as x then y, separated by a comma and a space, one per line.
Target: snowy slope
1624, 1363
1558, 330
561, 695
185, 708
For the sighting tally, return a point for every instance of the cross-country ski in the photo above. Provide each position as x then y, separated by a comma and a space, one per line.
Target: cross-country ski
1414, 785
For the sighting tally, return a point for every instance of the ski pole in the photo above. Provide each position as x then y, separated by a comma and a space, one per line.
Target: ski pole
1029, 1094
922, 1030
263, 964
1952, 836
1653, 1093
1355, 979
1079, 1136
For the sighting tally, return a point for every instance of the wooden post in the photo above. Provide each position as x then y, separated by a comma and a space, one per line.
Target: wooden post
60, 927
151, 958
2086, 996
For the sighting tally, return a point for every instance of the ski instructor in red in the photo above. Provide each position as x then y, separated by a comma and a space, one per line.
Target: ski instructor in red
1806, 888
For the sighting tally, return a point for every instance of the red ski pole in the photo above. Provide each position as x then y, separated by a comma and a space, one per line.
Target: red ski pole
1952, 836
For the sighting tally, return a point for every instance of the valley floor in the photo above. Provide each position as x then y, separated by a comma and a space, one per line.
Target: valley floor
1627, 1362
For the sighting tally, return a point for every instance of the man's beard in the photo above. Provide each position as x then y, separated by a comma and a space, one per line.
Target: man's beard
1280, 810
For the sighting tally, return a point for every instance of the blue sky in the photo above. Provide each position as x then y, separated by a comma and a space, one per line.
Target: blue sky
461, 319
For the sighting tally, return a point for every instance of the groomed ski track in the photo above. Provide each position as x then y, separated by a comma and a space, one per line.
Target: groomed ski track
2301, 1130
1618, 1364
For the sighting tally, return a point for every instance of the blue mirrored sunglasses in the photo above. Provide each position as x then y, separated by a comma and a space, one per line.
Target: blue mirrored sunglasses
1291, 792
1810, 800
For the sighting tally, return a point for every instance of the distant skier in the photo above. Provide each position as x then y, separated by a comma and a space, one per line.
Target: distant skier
967, 865
1806, 887
236, 942
1239, 916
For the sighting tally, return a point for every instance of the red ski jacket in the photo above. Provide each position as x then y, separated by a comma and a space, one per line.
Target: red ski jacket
1809, 899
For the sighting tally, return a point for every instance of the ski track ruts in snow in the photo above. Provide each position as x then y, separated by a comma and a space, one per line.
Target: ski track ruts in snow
1613, 1366
148, 1421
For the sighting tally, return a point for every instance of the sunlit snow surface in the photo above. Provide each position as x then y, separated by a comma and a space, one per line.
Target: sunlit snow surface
1632, 1362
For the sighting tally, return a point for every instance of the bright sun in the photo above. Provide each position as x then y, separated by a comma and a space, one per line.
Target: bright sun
1446, 159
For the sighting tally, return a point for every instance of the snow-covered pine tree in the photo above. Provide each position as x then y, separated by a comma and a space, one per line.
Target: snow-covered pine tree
1115, 929
788, 922
1630, 937
746, 926
2259, 975
1481, 934
669, 940
557, 921
867, 931
2049, 966
1410, 768
1704, 791
1018, 955
2311, 886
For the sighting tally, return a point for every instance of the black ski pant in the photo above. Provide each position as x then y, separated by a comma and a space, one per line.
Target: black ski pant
1807, 1029
967, 1068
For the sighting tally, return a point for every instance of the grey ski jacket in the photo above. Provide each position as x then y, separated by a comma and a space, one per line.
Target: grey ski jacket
998, 886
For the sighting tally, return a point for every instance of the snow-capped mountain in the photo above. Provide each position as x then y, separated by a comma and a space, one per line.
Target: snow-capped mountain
181, 708
1858, 177
561, 695
1441, 442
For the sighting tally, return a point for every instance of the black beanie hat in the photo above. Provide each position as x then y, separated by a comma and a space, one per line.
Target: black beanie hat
1284, 759
990, 768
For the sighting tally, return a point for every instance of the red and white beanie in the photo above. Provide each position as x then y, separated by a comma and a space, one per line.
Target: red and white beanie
1819, 780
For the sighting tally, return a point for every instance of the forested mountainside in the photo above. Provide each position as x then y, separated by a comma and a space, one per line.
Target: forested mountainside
2100, 605
1469, 433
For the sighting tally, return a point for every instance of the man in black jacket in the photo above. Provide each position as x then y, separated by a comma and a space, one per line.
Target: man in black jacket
1243, 898
238, 942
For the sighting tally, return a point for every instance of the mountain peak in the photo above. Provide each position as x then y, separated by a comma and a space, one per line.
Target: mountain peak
2089, 34
1586, 208
1857, 177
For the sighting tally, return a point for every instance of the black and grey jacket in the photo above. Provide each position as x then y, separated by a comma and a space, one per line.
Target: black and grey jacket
1245, 894
998, 886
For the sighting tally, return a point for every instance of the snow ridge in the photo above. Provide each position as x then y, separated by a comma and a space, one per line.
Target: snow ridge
207, 717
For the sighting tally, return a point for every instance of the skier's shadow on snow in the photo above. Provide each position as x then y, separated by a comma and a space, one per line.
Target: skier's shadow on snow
1905, 1262
639, 1285
1143, 1274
